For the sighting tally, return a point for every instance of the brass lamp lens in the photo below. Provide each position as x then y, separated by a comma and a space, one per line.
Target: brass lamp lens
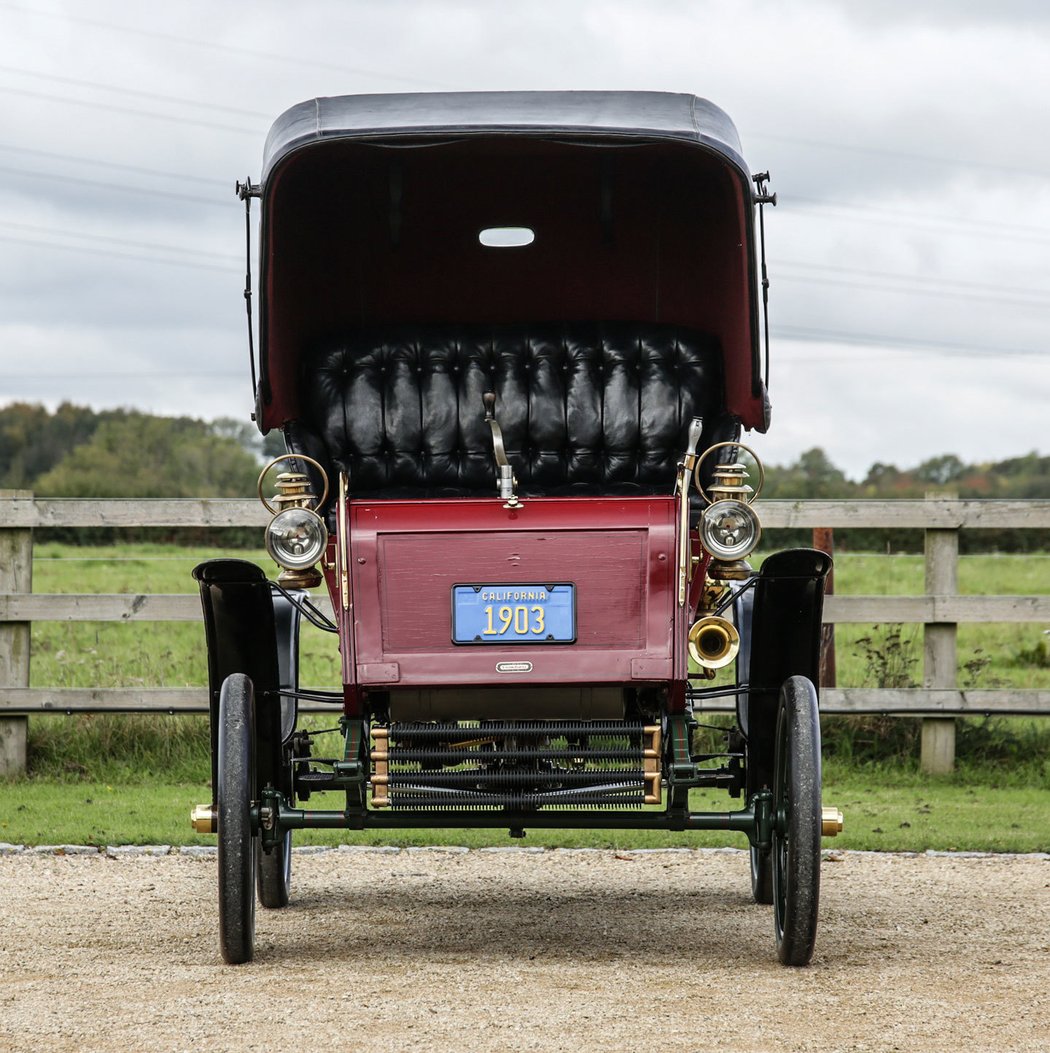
296, 538
730, 529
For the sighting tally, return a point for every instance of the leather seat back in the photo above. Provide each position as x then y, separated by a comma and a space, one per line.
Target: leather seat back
584, 408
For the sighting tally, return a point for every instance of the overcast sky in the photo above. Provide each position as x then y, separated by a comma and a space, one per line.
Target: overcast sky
909, 144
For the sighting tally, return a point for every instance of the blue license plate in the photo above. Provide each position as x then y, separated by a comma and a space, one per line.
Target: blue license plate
513, 614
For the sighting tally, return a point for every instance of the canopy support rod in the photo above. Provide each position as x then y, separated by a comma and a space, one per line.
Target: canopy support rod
246, 191
763, 198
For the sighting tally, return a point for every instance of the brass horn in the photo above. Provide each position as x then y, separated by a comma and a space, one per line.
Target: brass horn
713, 642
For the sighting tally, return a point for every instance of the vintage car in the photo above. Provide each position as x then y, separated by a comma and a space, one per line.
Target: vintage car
511, 340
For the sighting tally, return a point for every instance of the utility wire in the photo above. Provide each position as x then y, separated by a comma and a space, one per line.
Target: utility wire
116, 166
921, 278
935, 224
314, 63
940, 348
971, 291
230, 49
882, 287
92, 237
69, 100
140, 375
118, 187
903, 155
95, 85
37, 244
889, 344
997, 226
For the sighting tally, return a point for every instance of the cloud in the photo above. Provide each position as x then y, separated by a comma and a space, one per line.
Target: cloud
910, 291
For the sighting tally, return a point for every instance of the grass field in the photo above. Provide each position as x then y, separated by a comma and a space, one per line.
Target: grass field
110, 654
131, 779
885, 810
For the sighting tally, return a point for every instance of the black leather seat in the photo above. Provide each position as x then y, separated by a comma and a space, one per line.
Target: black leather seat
585, 408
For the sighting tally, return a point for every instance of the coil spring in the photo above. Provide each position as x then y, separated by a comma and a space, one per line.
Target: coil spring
527, 728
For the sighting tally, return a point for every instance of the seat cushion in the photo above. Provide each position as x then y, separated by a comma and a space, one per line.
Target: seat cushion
584, 407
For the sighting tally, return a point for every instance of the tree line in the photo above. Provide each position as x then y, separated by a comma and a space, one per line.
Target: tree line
813, 475
75, 451
78, 452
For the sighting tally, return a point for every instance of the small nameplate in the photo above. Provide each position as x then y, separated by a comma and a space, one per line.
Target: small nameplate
513, 667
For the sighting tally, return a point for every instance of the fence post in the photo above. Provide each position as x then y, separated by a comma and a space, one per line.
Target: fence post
939, 651
824, 540
16, 575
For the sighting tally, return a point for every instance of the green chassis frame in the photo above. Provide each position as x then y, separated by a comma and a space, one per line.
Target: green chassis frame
273, 816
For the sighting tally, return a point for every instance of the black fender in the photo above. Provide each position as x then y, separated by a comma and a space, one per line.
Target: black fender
248, 632
784, 642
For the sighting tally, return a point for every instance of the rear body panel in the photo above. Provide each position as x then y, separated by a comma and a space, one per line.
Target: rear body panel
618, 553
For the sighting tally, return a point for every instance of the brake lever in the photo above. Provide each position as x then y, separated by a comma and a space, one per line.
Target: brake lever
507, 483
685, 474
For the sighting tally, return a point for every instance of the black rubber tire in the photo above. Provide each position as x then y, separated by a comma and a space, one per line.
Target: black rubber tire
237, 843
275, 873
797, 822
761, 875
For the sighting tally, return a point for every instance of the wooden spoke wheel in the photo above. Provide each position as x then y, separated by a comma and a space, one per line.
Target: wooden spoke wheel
237, 842
796, 822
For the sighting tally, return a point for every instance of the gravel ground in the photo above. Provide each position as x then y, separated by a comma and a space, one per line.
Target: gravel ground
518, 950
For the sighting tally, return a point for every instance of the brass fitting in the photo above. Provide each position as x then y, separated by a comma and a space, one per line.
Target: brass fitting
293, 488
713, 642
830, 822
293, 491
730, 481
738, 570
711, 597
202, 819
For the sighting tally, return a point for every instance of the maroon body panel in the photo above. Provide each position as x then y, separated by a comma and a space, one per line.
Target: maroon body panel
619, 553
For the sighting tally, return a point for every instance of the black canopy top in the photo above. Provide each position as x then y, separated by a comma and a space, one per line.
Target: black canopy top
640, 203
650, 116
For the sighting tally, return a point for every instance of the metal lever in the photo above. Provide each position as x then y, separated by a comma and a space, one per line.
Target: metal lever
507, 482
685, 473
689, 458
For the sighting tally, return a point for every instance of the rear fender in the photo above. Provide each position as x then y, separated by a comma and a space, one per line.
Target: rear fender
785, 642
241, 630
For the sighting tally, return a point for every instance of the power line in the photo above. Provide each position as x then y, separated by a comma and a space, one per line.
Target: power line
936, 224
909, 291
37, 244
230, 49
138, 93
113, 108
996, 226
117, 187
143, 375
903, 155
314, 63
137, 169
93, 237
941, 348
923, 279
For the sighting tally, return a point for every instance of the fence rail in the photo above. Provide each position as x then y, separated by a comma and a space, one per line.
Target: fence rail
939, 611
27, 511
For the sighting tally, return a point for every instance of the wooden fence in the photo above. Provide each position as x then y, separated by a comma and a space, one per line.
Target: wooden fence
939, 611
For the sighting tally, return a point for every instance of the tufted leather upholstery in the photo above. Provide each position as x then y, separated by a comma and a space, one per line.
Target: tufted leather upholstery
584, 408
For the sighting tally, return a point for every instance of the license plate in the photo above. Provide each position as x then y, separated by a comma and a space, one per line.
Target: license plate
513, 614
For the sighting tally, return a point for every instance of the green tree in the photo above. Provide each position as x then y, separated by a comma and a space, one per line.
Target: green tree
143, 456
263, 448
33, 440
812, 475
941, 470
